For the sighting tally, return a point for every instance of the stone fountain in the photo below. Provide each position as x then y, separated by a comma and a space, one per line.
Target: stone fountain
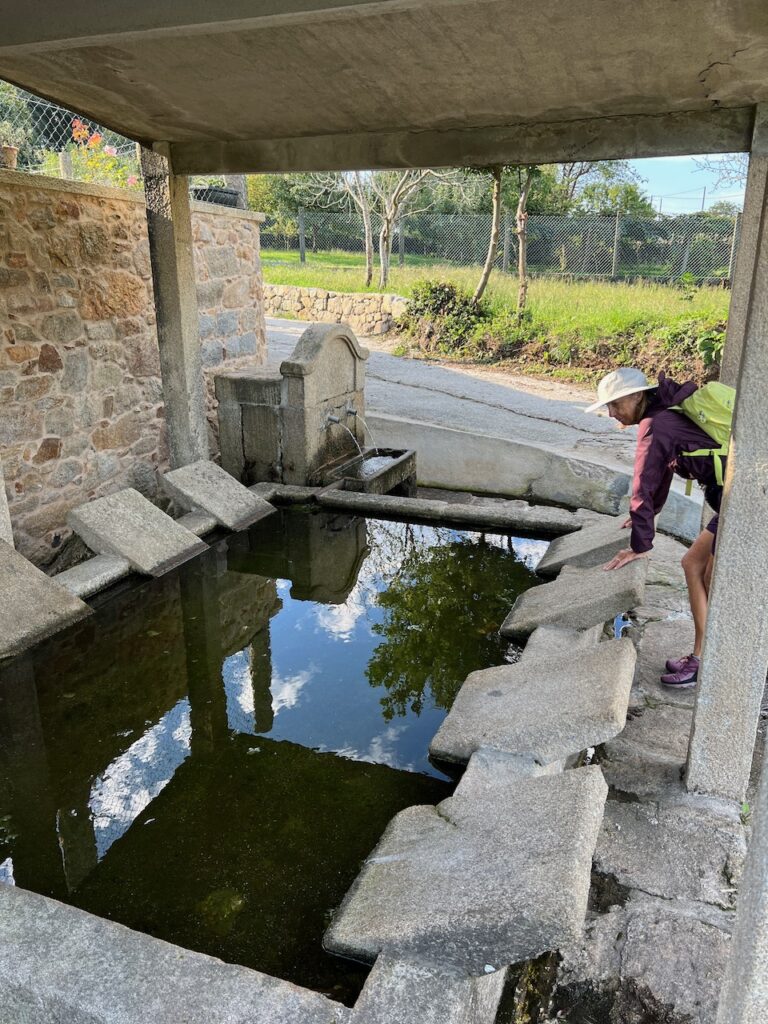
303, 422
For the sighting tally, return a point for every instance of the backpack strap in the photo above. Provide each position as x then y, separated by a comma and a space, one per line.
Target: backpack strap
718, 454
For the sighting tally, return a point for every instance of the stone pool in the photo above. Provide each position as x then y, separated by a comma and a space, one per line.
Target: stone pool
210, 757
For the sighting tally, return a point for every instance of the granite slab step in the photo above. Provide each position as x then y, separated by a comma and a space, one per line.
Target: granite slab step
128, 525
94, 574
60, 964
549, 708
403, 992
578, 599
205, 487
549, 641
489, 880
589, 547
34, 605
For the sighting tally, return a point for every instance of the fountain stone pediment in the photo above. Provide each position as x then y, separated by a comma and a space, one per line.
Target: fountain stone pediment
298, 423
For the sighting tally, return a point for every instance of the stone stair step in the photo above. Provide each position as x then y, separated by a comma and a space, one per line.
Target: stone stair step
493, 879
204, 486
128, 525
402, 992
550, 707
589, 547
58, 963
94, 574
578, 599
34, 605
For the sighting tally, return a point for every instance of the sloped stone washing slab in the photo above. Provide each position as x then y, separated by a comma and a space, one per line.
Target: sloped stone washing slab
402, 992
128, 525
585, 549
206, 487
491, 880
548, 707
60, 964
34, 605
578, 599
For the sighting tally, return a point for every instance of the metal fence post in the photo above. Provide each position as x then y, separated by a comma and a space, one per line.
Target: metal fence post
616, 241
734, 240
507, 240
400, 244
302, 237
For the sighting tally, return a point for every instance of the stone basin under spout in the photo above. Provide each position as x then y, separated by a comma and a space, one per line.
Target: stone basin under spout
379, 471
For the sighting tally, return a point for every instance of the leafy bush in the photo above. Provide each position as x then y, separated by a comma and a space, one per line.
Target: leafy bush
442, 317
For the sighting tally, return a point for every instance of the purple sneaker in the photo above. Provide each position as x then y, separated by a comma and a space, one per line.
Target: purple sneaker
686, 676
680, 664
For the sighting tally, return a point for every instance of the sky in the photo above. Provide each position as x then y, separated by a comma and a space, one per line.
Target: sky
678, 183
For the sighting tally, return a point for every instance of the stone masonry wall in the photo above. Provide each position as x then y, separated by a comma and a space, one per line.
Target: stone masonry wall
81, 405
365, 313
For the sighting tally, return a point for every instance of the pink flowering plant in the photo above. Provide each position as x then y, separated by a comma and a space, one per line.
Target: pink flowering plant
93, 160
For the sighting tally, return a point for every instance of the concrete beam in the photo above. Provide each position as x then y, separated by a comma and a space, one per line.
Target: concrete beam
173, 276
720, 130
735, 657
747, 252
95, 23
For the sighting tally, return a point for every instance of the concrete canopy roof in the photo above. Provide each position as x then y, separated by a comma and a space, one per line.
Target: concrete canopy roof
249, 85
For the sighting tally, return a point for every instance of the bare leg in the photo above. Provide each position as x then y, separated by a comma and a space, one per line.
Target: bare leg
697, 566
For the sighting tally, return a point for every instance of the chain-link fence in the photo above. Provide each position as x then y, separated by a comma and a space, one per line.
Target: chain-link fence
42, 138
699, 247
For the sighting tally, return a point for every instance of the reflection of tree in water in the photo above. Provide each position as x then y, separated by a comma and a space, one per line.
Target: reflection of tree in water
443, 610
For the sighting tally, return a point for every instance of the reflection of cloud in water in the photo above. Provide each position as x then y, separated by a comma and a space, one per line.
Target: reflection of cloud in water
529, 552
286, 691
238, 686
381, 750
340, 620
6, 872
135, 778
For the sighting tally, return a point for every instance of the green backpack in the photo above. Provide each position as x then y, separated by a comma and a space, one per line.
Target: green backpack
711, 408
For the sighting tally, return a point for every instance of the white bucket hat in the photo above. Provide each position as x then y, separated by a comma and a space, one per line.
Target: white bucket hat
626, 381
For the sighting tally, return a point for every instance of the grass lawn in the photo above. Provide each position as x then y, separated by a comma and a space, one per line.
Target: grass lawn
578, 327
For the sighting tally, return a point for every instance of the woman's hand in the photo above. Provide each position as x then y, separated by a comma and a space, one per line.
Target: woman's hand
627, 523
623, 558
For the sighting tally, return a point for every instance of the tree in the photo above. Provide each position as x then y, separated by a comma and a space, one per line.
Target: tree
345, 190
490, 259
729, 169
723, 208
393, 191
525, 179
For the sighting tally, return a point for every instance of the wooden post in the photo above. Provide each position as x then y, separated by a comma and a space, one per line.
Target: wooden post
302, 237
616, 243
505, 255
169, 228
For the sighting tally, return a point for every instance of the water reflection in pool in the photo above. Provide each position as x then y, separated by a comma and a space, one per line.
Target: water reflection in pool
173, 762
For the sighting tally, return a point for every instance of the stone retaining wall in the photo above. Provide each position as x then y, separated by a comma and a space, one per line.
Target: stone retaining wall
365, 313
81, 405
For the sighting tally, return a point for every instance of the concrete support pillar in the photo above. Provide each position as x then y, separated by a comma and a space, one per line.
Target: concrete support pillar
735, 657
747, 249
173, 277
744, 995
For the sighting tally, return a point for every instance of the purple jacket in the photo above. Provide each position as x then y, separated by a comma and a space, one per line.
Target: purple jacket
661, 436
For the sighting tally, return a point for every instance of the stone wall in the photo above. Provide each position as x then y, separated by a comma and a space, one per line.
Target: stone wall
81, 405
366, 313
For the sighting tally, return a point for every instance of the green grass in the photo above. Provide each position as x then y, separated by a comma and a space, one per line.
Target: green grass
585, 311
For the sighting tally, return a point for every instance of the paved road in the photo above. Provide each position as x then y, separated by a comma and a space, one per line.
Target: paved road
485, 402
